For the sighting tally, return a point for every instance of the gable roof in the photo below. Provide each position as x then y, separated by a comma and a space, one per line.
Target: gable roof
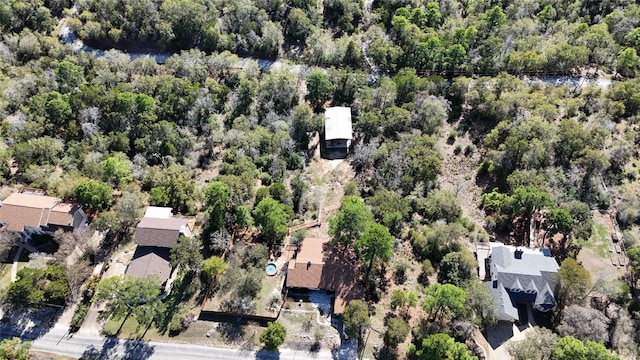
149, 260
337, 123
523, 273
20, 210
62, 214
318, 266
160, 232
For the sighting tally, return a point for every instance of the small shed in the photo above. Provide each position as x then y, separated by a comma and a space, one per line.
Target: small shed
338, 129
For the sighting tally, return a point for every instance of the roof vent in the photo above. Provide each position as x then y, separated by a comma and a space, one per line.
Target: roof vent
518, 254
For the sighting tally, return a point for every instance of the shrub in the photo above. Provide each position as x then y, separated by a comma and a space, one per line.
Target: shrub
397, 331
426, 271
458, 149
273, 336
78, 316
400, 270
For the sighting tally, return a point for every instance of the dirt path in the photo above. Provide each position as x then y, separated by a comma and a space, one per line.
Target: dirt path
459, 173
327, 180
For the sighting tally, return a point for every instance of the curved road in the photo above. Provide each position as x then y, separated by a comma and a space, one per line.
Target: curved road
70, 38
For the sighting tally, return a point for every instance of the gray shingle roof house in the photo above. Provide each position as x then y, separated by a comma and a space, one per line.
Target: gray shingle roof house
521, 276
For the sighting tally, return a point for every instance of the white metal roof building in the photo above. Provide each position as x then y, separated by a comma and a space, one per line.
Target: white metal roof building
158, 212
337, 123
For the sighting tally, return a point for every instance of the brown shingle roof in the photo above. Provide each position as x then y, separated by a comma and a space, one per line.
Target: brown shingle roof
159, 232
62, 214
20, 210
149, 260
17, 217
318, 266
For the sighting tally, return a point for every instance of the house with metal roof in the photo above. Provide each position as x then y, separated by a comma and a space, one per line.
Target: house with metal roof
338, 128
520, 276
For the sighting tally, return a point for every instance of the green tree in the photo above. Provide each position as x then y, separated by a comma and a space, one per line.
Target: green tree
527, 199
273, 336
187, 254
127, 295
216, 202
350, 222
443, 347
57, 108
69, 76
213, 267
443, 302
558, 221
298, 188
116, 170
442, 204
356, 317
457, 268
272, 217
175, 188
628, 62
94, 195
570, 348
574, 283
396, 333
481, 303
374, 246
14, 349
319, 89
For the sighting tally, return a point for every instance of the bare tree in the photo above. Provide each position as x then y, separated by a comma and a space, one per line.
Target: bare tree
69, 241
584, 323
8, 240
76, 275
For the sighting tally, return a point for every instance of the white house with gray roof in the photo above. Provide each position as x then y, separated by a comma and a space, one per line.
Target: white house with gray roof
518, 275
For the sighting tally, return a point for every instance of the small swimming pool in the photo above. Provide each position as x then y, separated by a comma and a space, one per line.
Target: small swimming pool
271, 269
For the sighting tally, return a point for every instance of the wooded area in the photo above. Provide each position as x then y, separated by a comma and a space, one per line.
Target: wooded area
435, 88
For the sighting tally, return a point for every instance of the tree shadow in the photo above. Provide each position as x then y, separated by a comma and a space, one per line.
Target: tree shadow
137, 350
106, 352
29, 323
180, 291
264, 354
231, 332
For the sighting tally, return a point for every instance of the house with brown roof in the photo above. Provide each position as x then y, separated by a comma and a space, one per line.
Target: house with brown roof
32, 212
155, 235
318, 266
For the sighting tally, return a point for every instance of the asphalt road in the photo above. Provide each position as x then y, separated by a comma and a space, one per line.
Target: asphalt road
94, 347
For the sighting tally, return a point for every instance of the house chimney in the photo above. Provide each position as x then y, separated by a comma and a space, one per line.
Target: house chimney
518, 254
308, 264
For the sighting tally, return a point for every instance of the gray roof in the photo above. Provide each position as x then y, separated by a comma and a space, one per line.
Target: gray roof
533, 272
504, 306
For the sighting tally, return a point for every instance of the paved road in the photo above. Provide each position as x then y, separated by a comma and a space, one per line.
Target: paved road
94, 347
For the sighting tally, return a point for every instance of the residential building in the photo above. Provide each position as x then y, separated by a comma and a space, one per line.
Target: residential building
31, 212
317, 266
338, 130
155, 235
520, 278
